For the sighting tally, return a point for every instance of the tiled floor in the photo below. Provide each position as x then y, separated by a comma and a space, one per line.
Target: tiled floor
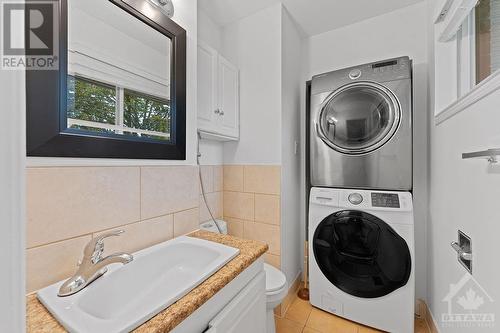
301, 317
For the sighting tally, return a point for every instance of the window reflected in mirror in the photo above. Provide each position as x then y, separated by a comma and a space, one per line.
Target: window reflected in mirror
118, 73
149, 114
91, 105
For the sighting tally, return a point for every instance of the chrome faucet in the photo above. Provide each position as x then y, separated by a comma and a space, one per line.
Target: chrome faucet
93, 265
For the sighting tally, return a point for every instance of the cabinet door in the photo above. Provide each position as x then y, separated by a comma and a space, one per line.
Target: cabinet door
207, 89
246, 313
229, 99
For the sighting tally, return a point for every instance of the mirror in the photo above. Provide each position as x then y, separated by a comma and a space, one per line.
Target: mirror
120, 89
118, 73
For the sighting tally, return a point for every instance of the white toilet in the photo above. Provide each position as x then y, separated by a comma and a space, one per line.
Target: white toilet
276, 290
276, 286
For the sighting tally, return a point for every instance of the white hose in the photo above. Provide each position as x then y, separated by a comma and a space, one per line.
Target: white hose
198, 156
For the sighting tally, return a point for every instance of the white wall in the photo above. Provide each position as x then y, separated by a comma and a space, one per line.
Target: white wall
398, 33
212, 152
401, 32
464, 194
253, 44
291, 230
208, 31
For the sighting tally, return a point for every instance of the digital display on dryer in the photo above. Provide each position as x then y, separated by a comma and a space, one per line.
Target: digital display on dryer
389, 200
385, 64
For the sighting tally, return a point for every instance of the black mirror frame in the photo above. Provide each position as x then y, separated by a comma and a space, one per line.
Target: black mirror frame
46, 94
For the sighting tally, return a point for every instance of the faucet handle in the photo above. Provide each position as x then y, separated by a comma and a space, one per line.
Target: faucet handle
95, 247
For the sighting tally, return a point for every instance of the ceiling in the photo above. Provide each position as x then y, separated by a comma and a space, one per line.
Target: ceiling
314, 16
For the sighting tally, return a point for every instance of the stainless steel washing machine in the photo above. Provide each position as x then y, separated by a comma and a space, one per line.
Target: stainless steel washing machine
361, 126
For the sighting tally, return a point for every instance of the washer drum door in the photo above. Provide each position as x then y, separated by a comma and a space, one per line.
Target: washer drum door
361, 254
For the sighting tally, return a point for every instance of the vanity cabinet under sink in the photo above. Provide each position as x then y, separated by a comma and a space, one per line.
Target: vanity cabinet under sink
245, 312
218, 95
240, 307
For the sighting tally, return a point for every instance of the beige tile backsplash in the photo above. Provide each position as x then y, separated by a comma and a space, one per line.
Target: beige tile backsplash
218, 178
140, 235
267, 209
69, 202
186, 221
262, 179
273, 260
233, 178
166, 190
239, 205
50, 263
252, 205
234, 226
215, 201
67, 206
266, 233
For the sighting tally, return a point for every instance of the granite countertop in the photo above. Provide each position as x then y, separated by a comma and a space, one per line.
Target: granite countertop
39, 320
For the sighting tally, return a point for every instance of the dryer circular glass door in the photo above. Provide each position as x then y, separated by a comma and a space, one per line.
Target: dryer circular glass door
359, 118
361, 254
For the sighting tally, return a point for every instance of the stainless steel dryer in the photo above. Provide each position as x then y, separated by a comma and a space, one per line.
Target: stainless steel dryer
361, 127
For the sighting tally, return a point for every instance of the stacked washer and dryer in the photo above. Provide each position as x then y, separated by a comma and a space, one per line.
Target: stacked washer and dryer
361, 238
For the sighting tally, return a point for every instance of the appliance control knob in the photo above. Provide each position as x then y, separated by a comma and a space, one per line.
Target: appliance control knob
355, 198
355, 74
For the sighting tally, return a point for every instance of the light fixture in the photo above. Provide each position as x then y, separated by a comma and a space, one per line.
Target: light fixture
166, 6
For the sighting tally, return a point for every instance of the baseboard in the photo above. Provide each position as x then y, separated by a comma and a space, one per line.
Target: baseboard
429, 318
420, 311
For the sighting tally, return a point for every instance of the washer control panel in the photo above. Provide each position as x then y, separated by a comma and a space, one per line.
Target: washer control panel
387, 200
359, 199
355, 198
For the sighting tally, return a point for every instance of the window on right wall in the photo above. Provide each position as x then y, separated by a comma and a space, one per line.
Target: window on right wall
467, 54
487, 38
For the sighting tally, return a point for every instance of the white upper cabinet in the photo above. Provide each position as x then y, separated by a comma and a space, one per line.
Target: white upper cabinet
229, 101
207, 88
218, 96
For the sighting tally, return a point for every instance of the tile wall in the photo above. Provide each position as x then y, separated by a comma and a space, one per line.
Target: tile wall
252, 205
68, 206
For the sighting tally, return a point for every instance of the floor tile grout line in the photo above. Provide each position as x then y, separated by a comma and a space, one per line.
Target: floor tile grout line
308, 316
307, 319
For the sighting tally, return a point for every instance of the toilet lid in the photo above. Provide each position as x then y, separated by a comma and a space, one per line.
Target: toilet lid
275, 279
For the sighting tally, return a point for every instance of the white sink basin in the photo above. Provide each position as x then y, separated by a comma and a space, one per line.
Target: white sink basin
129, 295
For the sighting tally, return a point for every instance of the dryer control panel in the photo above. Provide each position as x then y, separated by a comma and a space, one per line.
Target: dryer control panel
382, 71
